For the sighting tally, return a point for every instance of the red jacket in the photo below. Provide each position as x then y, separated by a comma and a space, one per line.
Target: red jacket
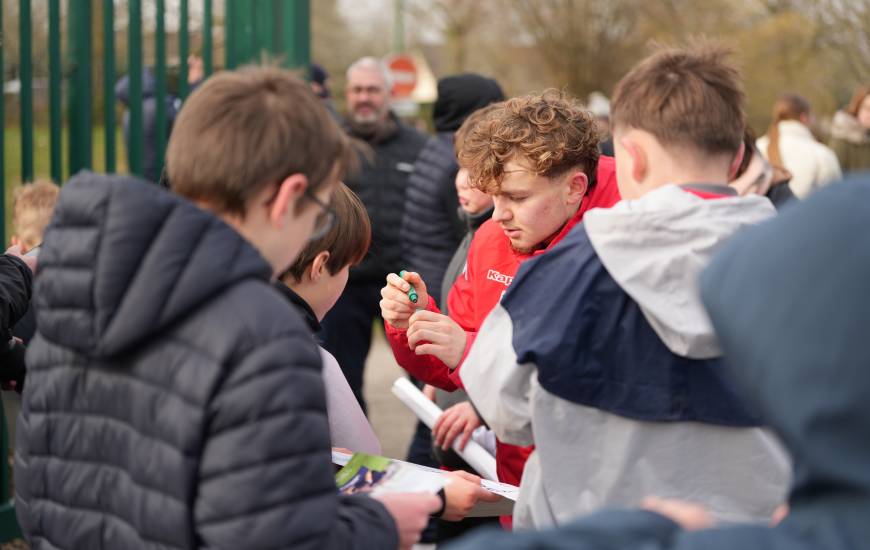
490, 269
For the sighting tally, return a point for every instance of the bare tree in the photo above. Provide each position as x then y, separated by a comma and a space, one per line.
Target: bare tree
587, 44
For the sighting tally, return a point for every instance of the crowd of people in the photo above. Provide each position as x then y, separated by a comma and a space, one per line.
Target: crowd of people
666, 343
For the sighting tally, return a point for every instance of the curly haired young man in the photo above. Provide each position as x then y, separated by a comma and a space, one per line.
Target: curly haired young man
537, 155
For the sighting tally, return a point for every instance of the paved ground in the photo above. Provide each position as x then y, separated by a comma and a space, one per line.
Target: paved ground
393, 422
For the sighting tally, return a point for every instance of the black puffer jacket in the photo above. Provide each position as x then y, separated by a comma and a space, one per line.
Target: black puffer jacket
381, 185
174, 399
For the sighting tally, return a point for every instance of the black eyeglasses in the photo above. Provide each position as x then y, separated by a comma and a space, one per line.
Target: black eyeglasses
325, 219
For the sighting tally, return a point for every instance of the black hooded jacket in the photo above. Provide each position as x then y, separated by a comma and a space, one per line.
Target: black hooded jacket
174, 398
431, 230
788, 300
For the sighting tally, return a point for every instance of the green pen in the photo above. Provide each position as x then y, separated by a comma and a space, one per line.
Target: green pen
412, 293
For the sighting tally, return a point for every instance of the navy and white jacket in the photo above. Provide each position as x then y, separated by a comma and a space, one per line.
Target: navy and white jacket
614, 371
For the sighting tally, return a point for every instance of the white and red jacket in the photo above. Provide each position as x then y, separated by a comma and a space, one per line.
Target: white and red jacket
490, 269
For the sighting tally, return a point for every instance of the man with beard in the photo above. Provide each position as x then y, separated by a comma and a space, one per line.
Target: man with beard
380, 184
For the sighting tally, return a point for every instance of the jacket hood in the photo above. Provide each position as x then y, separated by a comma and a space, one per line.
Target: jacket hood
846, 127
461, 95
788, 300
149, 86
123, 259
656, 246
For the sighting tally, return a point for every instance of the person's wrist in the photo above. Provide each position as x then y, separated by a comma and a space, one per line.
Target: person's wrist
443, 496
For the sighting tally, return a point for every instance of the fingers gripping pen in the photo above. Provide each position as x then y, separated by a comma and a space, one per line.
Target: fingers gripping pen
412, 292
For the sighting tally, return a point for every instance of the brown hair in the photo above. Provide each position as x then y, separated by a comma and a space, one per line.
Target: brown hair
857, 100
786, 107
551, 131
34, 205
347, 241
689, 97
248, 129
472, 119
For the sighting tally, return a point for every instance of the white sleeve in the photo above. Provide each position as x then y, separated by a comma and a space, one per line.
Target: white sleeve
830, 171
498, 387
348, 426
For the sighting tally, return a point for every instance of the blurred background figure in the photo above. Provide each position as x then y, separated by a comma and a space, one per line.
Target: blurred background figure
850, 132
756, 176
599, 106
393, 147
195, 75
318, 79
790, 144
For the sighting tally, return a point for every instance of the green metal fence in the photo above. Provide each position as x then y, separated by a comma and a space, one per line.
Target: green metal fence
247, 31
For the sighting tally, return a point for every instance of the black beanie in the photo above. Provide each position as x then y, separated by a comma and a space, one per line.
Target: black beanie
459, 96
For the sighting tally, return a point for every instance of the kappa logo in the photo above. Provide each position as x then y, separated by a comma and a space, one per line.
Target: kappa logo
494, 275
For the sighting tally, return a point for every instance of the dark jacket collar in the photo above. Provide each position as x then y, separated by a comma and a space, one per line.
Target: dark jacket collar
300, 304
474, 221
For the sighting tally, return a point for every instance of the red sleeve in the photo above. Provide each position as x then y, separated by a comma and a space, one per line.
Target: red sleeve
427, 368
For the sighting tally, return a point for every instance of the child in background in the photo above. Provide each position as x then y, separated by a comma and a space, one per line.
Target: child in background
34, 204
313, 284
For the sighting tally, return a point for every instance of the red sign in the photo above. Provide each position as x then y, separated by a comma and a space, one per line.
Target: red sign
404, 73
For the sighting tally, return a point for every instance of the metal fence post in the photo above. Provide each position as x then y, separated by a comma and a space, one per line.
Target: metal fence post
160, 54
183, 50
134, 67
2, 136
54, 92
109, 83
207, 42
80, 103
296, 33
25, 77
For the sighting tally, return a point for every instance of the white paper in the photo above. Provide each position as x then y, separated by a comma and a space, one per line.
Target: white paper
502, 507
428, 413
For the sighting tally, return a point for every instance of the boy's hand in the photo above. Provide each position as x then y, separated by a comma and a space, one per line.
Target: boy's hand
411, 513
688, 515
15, 250
462, 493
431, 333
458, 419
396, 307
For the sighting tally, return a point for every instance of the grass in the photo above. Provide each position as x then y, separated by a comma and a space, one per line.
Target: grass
42, 161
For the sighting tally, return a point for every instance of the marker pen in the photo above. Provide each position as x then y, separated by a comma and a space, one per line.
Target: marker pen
412, 293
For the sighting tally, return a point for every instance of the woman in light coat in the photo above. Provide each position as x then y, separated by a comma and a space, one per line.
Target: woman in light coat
790, 144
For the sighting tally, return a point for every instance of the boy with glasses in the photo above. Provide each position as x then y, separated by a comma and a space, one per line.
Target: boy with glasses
174, 399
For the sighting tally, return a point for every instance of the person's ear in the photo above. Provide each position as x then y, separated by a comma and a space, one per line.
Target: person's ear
15, 241
318, 266
577, 186
735, 163
290, 191
639, 163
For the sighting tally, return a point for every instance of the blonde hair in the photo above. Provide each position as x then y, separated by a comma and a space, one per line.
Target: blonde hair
34, 204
